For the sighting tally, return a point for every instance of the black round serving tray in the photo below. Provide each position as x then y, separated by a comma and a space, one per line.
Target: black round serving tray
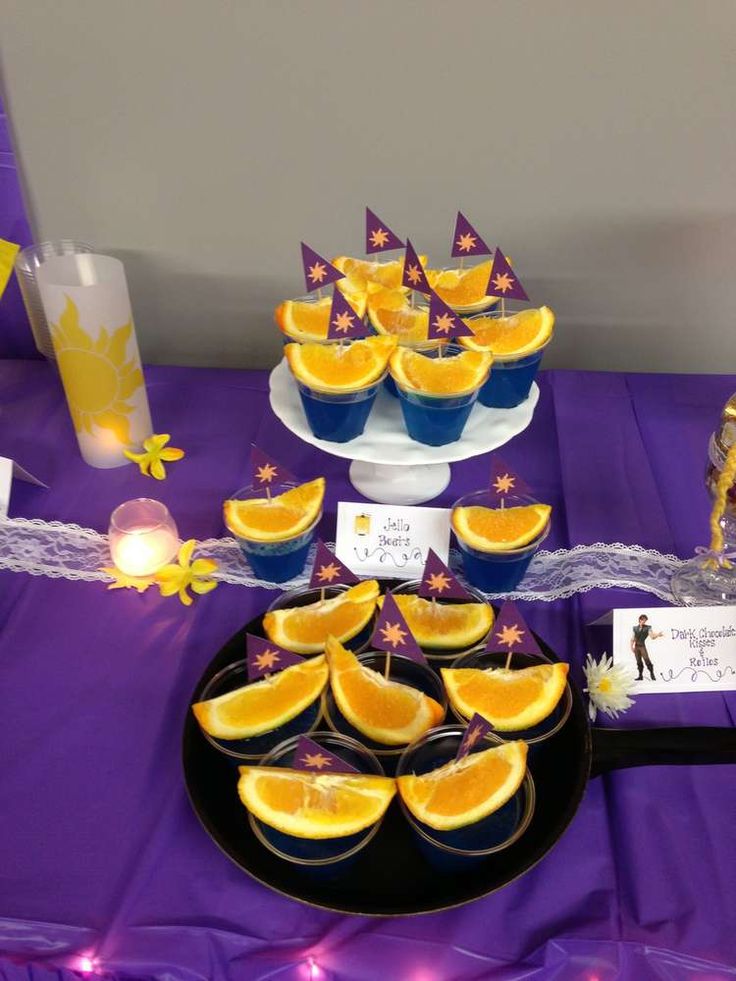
390, 876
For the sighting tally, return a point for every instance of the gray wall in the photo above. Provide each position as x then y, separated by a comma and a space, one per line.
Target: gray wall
200, 140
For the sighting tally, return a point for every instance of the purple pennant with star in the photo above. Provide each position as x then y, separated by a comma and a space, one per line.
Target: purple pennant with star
466, 241
344, 321
413, 275
478, 729
438, 582
503, 281
311, 756
263, 657
266, 471
392, 632
505, 481
510, 633
318, 271
378, 236
328, 570
444, 323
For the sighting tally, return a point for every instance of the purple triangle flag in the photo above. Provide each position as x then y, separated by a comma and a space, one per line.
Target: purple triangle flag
478, 729
378, 236
266, 471
505, 481
444, 323
510, 633
311, 756
263, 657
344, 321
392, 632
413, 275
317, 270
438, 582
503, 281
328, 570
466, 241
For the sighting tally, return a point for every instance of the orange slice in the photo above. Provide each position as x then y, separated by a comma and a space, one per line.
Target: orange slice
510, 700
406, 323
442, 626
385, 711
305, 629
359, 273
462, 287
306, 320
463, 792
338, 368
265, 705
283, 516
511, 337
500, 529
455, 375
314, 805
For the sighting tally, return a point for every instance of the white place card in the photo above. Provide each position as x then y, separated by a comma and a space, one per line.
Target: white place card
689, 648
390, 540
9, 469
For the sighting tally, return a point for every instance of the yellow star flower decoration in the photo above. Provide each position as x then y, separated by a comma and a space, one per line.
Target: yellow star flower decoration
155, 452
177, 578
123, 581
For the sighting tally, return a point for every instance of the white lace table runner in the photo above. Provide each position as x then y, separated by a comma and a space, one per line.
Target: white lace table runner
66, 551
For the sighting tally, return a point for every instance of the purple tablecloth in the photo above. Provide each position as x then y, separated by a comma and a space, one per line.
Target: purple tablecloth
100, 854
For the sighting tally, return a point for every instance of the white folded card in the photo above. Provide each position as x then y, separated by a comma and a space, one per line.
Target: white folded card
9, 469
688, 648
390, 540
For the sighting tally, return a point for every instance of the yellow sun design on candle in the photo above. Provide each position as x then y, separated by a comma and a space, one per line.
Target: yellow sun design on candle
97, 378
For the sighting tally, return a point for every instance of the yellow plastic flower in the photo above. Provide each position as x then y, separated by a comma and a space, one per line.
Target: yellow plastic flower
195, 575
155, 452
123, 581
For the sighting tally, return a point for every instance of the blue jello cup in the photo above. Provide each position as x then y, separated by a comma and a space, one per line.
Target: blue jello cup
502, 571
324, 857
306, 596
482, 660
436, 420
511, 378
463, 848
254, 748
275, 561
443, 657
338, 417
402, 669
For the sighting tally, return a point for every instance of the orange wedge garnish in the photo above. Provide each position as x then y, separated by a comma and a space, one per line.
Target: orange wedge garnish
276, 519
462, 287
511, 700
334, 368
443, 626
499, 529
305, 629
510, 337
456, 375
306, 320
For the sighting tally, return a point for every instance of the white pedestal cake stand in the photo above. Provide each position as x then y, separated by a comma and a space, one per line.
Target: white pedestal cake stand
388, 466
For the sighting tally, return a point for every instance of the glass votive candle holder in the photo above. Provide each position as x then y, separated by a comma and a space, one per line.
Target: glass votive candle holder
402, 669
142, 536
323, 857
485, 660
307, 596
462, 848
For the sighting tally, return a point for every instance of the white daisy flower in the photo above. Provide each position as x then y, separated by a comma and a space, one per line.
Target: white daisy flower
608, 688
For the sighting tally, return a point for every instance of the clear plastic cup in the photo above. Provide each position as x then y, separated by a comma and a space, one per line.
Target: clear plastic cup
305, 596
454, 851
275, 561
502, 571
439, 656
511, 378
338, 417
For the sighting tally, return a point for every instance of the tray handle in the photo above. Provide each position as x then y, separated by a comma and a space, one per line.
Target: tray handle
618, 749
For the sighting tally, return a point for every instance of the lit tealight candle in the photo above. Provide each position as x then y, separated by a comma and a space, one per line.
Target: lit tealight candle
143, 537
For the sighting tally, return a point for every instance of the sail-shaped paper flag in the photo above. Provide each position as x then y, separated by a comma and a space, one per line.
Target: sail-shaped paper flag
328, 570
263, 657
438, 582
266, 471
392, 632
309, 755
317, 270
504, 480
466, 241
344, 321
478, 729
503, 281
378, 236
511, 634
413, 276
444, 323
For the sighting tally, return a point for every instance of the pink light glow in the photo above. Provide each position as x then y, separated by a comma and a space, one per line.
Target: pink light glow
87, 964
315, 971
